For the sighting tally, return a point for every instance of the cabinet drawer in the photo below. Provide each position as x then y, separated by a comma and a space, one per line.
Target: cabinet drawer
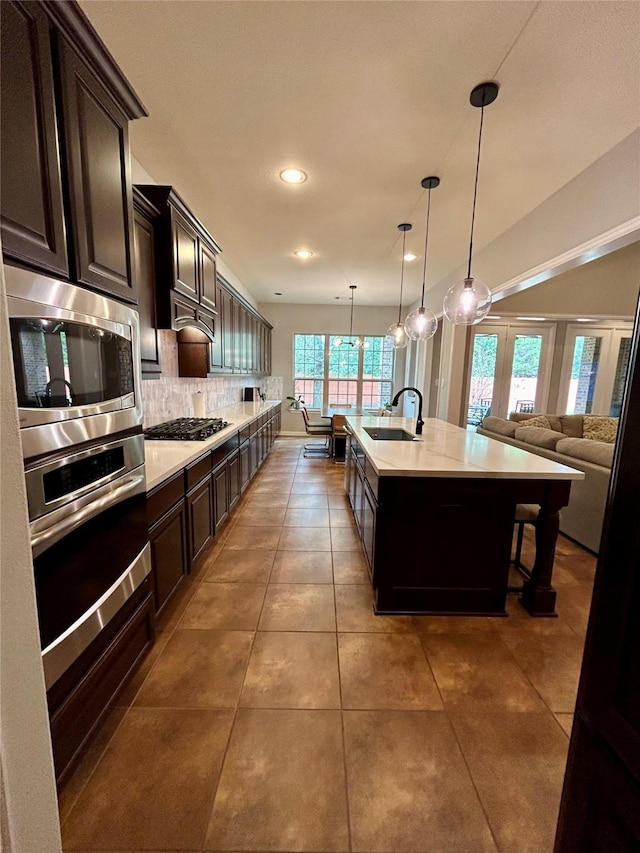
219, 454
197, 470
164, 496
244, 434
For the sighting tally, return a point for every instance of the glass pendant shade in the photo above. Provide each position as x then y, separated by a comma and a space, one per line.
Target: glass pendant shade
467, 302
421, 324
398, 336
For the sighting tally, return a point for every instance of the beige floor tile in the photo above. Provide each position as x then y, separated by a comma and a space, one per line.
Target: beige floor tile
301, 486
282, 786
478, 671
354, 610
152, 788
292, 670
262, 499
453, 624
302, 567
409, 788
566, 721
335, 488
198, 669
337, 501
232, 606
306, 518
350, 567
552, 664
298, 607
240, 567
264, 516
345, 539
305, 539
517, 762
307, 501
271, 487
387, 672
341, 518
243, 538
574, 606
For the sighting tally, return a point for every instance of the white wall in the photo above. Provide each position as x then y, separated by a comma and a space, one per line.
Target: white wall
29, 813
605, 287
288, 319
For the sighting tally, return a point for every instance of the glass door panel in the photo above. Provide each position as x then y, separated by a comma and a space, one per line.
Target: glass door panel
525, 369
585, 363
621, 346
486, 358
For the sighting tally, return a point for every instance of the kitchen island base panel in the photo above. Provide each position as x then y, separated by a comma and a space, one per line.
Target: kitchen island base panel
441, 545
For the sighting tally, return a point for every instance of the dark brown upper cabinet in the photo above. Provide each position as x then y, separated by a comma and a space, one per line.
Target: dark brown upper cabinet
33, 227
66, 184
144, 215
186, 254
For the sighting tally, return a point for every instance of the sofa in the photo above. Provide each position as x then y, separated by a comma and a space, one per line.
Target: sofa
584, 442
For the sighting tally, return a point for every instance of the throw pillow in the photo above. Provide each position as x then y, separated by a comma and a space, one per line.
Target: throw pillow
600, 428
538, 421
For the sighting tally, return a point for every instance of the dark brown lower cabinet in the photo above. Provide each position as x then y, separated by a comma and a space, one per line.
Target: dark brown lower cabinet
245, 464
220, 478
233, 464
168, 538
253, 456
368, 523
79, 700
200, 518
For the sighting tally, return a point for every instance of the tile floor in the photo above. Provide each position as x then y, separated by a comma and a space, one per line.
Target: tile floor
277, 713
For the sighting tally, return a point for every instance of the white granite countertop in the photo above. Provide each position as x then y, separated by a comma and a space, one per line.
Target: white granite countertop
165, 458
445, 450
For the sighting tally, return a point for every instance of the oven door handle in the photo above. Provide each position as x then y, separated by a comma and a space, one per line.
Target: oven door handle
128, 486
65, 649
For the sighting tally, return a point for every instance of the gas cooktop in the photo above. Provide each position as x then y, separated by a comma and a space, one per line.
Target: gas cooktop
186, 429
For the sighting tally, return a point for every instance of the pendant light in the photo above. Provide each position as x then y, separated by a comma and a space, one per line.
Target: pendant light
468, 301
397, 332
358, 343
422, 323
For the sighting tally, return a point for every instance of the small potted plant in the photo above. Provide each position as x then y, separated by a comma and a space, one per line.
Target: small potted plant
296, 402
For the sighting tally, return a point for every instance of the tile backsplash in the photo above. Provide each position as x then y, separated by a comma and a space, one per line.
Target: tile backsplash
171, 396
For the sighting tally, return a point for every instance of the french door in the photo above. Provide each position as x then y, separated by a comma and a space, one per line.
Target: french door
510, 369
594, 370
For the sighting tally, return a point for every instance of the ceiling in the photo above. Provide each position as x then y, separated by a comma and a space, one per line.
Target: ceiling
368, 98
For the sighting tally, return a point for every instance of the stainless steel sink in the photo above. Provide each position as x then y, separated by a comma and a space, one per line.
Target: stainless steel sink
389, 434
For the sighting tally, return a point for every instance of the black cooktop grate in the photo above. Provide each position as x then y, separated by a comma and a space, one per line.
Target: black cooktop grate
186, 429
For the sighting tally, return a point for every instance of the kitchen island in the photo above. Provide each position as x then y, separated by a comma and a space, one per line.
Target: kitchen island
436, 515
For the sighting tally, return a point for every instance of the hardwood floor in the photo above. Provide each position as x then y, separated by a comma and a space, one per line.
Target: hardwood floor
277, 713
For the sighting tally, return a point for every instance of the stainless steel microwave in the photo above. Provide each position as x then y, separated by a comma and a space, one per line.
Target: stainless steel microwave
76, 362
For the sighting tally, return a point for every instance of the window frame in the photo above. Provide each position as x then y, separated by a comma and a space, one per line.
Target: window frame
327, 378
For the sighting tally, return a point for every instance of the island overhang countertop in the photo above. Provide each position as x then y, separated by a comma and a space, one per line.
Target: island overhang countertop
445, 450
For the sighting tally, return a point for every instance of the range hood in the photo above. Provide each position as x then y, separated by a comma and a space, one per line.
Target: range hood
178, 324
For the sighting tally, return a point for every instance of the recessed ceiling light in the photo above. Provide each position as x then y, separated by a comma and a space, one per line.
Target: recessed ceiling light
410, 256
277, 293
533, 319
586, 320
304, 254
293, 176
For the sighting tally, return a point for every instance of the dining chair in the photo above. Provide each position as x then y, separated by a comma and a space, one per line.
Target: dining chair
339, 432
525, 514
317, 429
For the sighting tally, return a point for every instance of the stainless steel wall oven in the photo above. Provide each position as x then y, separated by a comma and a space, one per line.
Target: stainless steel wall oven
77, 372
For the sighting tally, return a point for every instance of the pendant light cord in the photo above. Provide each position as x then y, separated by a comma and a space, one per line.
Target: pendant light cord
351, 320
404, 239
426, 243
475, 192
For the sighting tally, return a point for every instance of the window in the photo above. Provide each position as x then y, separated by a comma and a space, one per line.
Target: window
327, 372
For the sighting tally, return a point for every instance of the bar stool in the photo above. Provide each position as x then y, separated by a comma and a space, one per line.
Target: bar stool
525, 514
